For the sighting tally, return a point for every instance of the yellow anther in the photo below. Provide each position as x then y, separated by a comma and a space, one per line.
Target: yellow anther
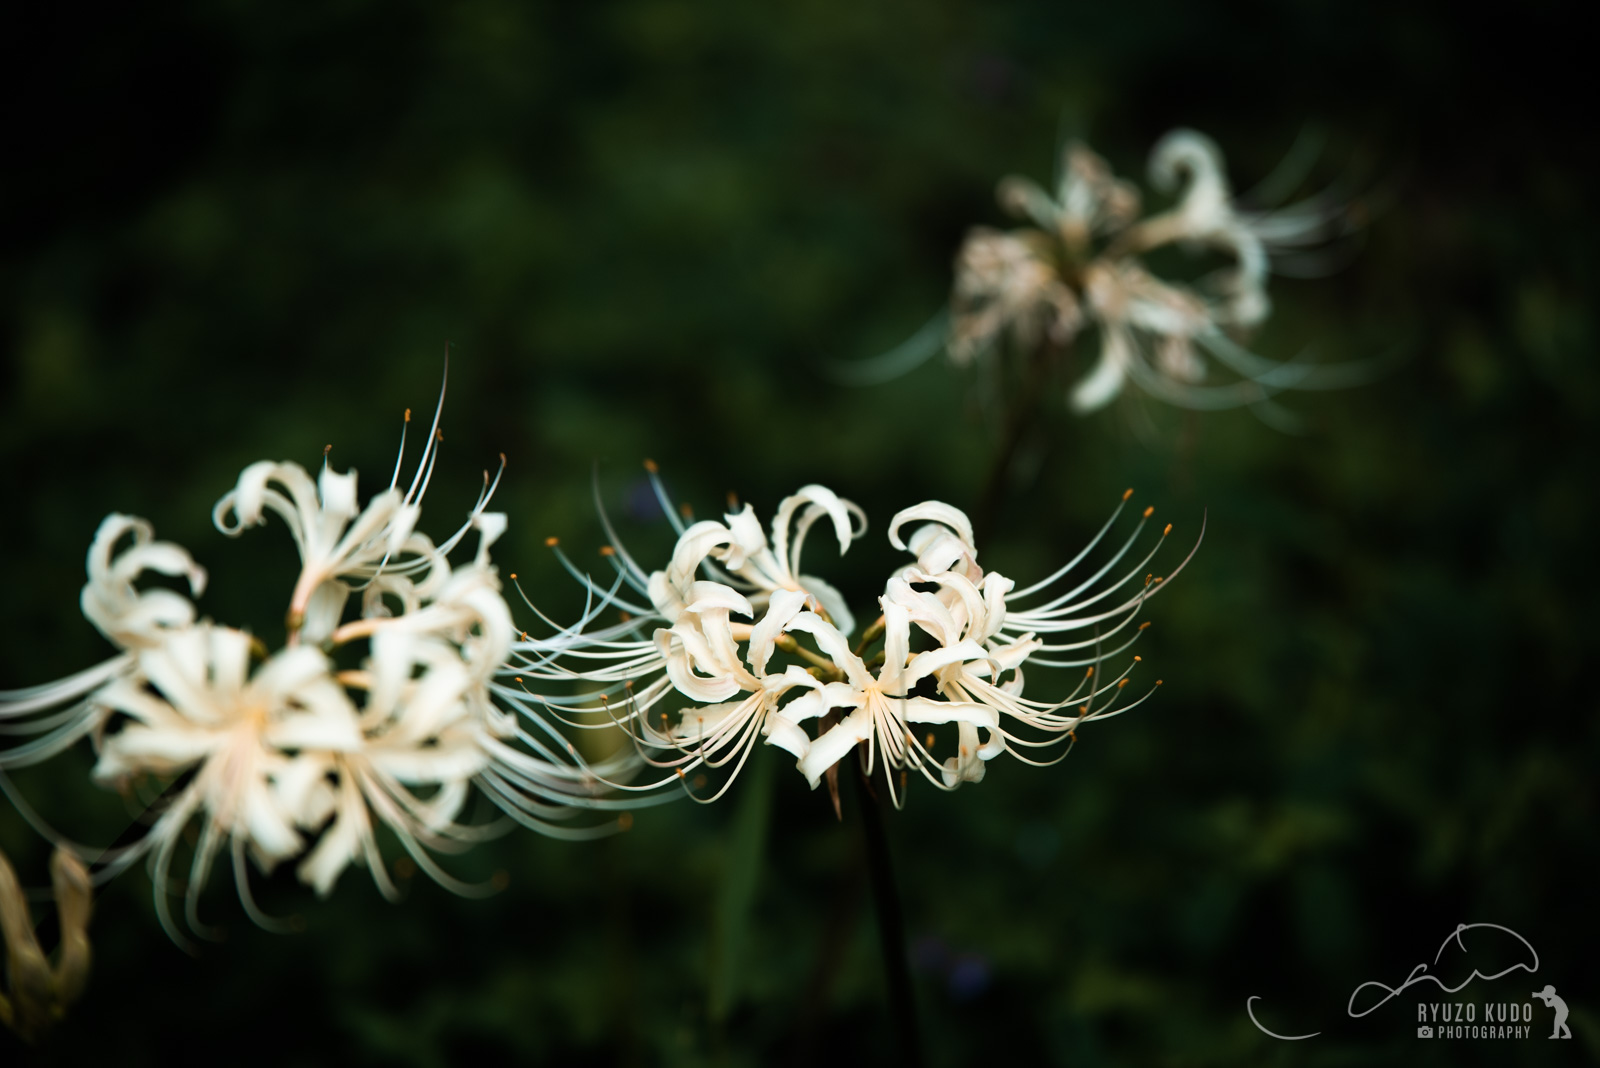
1148, 512
551, 542
1127, 493
1143, 625
1137, 658
1164, 533
929, 741
650, 466
606, 550
408, 415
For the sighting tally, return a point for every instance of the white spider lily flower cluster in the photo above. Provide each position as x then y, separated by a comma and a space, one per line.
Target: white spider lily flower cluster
1079, 266
283, 755
947, 651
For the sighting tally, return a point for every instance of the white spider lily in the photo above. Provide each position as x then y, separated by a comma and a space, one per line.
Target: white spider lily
1076, 270
132, 619
880, 709
741, 689
193, 704
336, 539
674, 636
129, 617
292, 757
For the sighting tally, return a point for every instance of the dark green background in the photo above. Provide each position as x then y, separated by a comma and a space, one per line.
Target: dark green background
231, 233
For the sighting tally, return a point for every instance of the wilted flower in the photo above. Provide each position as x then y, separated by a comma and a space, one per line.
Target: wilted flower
282, 754
948, 649
40, 991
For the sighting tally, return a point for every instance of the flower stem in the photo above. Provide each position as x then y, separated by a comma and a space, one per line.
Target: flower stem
1022, 411
891, 923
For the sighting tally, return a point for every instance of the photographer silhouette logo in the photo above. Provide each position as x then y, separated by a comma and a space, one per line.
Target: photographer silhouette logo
1548, 996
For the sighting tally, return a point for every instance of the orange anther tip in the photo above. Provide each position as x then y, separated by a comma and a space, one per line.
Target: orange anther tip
1083, 708
408, 415
1143, 625
502, 458
1127, 493
624, 821
929, 743
1158, 682
1148, 512
1164, 533
1137, 659
513, 576
551, 542
606, 550
326, 449
650, 466
679, 771
1158, 579
1122, 683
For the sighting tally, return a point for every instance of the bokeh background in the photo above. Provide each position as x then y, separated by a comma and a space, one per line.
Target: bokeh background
233, 231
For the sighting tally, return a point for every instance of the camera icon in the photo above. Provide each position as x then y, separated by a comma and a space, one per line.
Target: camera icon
1425, 1031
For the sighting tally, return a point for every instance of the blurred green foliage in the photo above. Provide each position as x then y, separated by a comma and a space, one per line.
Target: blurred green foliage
235, 231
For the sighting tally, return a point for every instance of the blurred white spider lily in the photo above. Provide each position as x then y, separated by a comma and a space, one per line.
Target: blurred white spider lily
1036, 290
130, 618
292, 756
954, 640
192, 704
